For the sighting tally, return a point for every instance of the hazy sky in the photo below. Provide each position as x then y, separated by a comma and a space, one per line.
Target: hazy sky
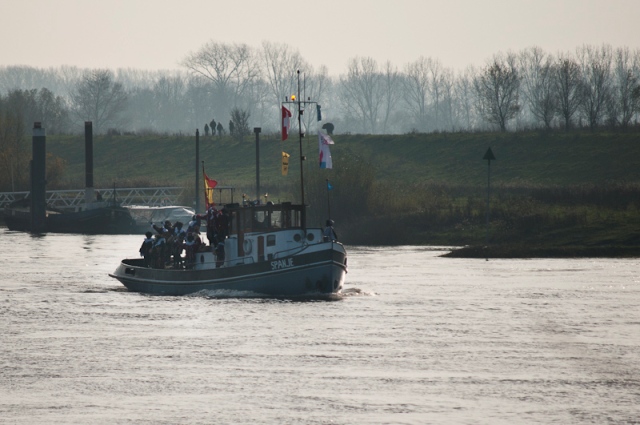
157, 34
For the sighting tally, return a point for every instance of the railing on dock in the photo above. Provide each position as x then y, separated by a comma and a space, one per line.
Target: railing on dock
72, 199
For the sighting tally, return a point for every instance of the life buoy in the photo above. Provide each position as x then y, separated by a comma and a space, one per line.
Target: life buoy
246, 246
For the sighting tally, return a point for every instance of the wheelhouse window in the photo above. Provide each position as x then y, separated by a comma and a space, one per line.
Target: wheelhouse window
265, 218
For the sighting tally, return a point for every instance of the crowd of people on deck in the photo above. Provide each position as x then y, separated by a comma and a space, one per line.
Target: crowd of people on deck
165, 248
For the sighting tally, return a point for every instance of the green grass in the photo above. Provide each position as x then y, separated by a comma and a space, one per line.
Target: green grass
451, 158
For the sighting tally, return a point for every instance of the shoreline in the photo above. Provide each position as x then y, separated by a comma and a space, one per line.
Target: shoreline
506, 251
521, 251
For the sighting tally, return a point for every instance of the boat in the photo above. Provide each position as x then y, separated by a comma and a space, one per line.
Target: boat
100, 217
269, 252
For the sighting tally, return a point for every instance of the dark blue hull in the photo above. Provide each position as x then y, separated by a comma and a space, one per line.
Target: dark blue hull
320, 272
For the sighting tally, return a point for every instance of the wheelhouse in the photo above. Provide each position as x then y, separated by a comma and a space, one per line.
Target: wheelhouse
265, 218
267, 232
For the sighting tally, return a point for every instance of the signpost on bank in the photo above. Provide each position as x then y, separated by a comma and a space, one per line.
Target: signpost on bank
488, 156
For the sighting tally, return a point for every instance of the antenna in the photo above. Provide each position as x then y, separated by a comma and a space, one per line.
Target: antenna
299, 103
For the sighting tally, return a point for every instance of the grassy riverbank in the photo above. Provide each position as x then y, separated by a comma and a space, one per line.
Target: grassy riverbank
531, 158
553, 194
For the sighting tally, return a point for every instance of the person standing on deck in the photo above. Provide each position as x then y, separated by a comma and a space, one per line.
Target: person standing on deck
329, 233
145, 248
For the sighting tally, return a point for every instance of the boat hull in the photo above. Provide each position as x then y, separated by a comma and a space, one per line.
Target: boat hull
318, 272
17, 219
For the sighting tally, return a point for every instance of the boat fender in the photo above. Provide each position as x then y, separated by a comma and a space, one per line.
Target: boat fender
246, 246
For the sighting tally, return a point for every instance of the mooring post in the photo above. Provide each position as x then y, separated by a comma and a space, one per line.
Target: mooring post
89, 191
488, 156
38, 179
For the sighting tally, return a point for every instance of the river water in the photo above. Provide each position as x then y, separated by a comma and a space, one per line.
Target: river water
416, 339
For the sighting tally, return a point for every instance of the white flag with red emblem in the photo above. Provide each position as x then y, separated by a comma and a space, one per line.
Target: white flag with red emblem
286, 117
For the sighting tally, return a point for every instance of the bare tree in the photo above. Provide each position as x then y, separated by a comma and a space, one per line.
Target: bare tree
436, 82
53, 111
232, 68
465, 98
315, 85
99, 99
539, 84
595, 64
447, 83
69, 77
391, 91
361, 92
497, 88
198, 95
417, 89
280, 63
24, 104
625, 82
568, 85
142, 117
169, 102
39, 105
317, 82
25, 78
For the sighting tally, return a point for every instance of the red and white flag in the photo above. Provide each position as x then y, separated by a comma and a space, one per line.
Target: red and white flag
286, 117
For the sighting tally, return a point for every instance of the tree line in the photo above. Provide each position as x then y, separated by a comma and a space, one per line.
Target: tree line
237, 86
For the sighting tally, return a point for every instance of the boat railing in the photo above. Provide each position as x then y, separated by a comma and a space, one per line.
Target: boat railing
247, 259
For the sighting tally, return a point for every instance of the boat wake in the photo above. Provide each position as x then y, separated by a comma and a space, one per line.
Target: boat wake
356, 292
226, 294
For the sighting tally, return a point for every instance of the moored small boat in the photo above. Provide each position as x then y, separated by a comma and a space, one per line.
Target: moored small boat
144, 216
95, 218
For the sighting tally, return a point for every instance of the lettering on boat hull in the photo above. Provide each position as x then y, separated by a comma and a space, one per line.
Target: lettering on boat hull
282, 264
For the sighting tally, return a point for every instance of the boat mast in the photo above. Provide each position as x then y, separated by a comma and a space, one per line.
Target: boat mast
197, 200
299, 103
302, 158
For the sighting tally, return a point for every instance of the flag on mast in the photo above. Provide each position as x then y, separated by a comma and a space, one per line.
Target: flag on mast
325, 154
209, 184
286, 120
285, 163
